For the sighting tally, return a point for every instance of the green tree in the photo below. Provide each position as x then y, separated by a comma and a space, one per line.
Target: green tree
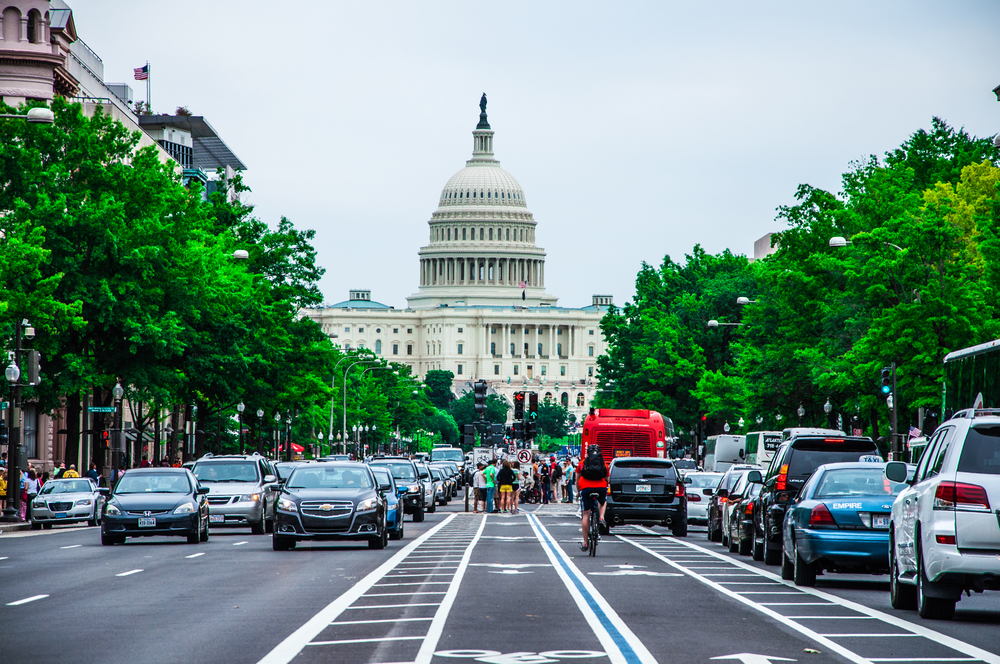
439, 382
553, 419
464, 411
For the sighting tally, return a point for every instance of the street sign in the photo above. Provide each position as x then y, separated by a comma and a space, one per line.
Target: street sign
481, 455
102, 409
4, 405
524, 456
512, 448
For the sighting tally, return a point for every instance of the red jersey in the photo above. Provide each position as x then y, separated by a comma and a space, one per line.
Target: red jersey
590, 484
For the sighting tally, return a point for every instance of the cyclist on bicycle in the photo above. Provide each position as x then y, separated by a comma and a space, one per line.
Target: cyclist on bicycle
592, 484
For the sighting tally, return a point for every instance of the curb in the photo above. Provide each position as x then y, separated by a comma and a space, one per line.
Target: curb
14, 527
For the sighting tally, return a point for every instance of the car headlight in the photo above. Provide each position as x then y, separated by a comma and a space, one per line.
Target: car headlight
186, 508
38, 503
252, 497
286, 505
366, 505
84, 501
413, 489
111, 509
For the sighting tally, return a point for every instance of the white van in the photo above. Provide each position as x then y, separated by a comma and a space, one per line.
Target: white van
761, 446
724, 451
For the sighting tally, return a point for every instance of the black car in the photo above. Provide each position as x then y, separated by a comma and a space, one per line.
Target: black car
647, 491
741, 529
151, 502
721, 496
411, 488
336, 500
802, 451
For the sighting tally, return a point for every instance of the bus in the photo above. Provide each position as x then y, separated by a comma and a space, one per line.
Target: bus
971, 379
624, 433
761, 446
724, 451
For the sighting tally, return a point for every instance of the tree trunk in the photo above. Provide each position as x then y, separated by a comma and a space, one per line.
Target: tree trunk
175, 425
72, 430
155, 460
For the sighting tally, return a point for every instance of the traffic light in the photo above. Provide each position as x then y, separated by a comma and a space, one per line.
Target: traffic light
532, 406
530, 430
480, 397
469, 429
886, 380
518, 429
518, 405
4, 437
105, 439
496, 434
33, 367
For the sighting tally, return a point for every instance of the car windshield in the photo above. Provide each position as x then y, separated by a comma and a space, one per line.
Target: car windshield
225, 471
401, 471
447, 454
634, 470
685, 464
856, 482
285, 469
153, 483
704, 481
317, 477
68, 486
733, 478
981, 452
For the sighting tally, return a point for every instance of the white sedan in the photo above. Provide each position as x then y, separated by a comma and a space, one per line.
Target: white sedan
695, 484
67, 501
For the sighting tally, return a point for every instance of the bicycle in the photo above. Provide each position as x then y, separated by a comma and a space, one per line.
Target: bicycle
593, 533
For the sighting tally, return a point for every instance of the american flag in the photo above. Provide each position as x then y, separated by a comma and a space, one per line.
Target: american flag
523, 284
141, 73
915, 432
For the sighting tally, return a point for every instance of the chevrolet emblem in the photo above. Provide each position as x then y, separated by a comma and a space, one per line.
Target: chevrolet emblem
326, 507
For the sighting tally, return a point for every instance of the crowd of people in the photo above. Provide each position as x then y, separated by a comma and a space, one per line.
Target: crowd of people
500, 486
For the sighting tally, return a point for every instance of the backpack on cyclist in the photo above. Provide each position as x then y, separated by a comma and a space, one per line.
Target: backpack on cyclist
593, 467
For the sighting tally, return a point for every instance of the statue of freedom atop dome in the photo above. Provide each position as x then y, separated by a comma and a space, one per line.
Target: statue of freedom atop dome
483, 123
482, 104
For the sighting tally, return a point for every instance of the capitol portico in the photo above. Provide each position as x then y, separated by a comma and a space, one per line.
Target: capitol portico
481, 310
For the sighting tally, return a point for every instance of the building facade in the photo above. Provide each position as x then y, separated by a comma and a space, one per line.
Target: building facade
481, 310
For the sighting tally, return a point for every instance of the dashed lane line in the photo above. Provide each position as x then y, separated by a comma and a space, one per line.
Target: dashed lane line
240, 543
975, 653
130, 572
26, 600
71, 546
195, 555
620, 643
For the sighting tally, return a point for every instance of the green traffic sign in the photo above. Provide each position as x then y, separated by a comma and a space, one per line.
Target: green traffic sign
4, 405
102, 409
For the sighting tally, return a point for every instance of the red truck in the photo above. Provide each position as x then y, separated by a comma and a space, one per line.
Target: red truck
624, 433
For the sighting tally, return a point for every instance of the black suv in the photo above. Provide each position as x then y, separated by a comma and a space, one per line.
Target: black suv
802, 451
721, 496
408, 484
647, 491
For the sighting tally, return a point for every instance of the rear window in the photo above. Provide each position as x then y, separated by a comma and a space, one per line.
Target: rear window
856, 482
686, 464
641, 470
808, 455
981, 452
703, 481
225, 471
447, 454
401, 471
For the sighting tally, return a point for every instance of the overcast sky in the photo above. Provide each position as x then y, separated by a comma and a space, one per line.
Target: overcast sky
636, 130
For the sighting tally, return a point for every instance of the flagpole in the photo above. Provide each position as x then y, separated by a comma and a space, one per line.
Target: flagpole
149, 102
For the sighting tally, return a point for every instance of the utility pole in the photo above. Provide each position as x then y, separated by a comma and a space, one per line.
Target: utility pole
897, 448
13, 373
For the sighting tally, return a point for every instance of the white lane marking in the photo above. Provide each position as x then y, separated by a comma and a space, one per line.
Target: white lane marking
378, 640
795, 604
285, 651
389, 606
426, 651
830, 617
435, 592
195, 555
925, 659
855, 636
3, 557
423, 583
577, 585
26, 600
130, 572
387, 620
976, 654
399, 576
71, 546
240, 543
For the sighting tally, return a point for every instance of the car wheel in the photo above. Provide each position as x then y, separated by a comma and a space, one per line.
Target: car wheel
734, 545
380, 541
745, 545
787, 568
901, 596
204, 533
931, 608
36, 525
804, 574
757, 550
432, 507
108, 540
724, 538
95, 519
257, 528
47, 526
268, 525
280, 543
418, 514
681, 530
397, 532
194, 537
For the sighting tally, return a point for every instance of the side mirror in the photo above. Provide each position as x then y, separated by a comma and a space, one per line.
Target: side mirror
723, 493
706, 492
104, 491
754, 477
896, 471
268, 479
743, 454
202, 490
688, 480
384, 487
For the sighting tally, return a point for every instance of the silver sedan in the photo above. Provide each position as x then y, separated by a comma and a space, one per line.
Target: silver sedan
67, 501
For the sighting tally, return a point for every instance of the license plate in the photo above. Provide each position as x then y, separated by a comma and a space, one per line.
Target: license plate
147, 523
62, 515
217, 518
880, 521
643, 488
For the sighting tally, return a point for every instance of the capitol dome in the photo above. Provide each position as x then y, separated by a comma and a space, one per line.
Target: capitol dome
482, 184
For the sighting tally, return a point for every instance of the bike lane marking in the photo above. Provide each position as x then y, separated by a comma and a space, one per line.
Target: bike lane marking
622, 646
976, 653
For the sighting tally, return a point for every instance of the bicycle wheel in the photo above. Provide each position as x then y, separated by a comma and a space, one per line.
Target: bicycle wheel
592, 544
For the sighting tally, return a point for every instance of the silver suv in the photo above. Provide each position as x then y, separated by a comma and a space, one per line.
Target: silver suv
242, 490
944, 537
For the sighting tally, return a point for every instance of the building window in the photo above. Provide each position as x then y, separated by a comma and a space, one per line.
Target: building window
590, 351
539, 349
493, 330
508, 235
564, 399
459, 349
562, 370
409, 330
591, 332
548, 396
525, 349
590, 372
460, 330
449, 233
544, 369
360, 330
493, 348
558, 330
347, 329
347, 346
559, 349
395, 349
496, 369
460, 370
395, 330
491, 234
579, 399
378, 346
378, 330
516, 369
409, 349
511, 348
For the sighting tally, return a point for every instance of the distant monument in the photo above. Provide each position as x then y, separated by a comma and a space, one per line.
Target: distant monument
483, 123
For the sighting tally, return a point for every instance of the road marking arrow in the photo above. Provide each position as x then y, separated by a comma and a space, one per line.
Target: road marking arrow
752, 658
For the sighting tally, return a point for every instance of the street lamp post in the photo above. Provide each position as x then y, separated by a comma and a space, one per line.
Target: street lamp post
260, 429
828, 408
801, 413
277, 436
344, 390
355, 430
13, 374
240, 407
288, 436
117, 392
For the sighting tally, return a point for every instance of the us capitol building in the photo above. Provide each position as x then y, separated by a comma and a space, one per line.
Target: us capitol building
481, 310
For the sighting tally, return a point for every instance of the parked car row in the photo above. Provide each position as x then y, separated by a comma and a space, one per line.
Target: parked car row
828, 503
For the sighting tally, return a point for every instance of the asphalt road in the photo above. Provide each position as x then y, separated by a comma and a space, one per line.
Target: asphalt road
460, 588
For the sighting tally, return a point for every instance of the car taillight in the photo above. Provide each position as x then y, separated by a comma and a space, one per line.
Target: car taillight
945, 539
782, 482
820, 516
694, 498
749, 508
957, 495
680, 490
723, 500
